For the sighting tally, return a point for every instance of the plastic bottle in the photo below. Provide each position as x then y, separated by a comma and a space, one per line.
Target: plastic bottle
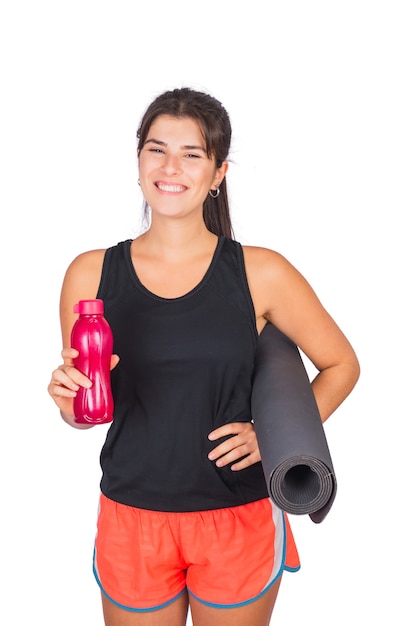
92, 336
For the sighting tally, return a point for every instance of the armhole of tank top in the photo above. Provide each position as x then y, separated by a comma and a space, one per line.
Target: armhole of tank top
104, 271
245, 284
108, 255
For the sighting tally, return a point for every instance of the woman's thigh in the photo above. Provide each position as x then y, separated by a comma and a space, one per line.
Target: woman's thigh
174, 614
257, 613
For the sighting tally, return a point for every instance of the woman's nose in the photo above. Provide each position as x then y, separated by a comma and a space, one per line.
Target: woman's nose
172, 164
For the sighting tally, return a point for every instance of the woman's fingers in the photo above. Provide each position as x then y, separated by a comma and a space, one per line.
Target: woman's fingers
241, 448
68, 355
64, 384
67, 379
114, 360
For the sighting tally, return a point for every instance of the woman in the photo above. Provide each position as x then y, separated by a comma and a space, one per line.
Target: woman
185, 519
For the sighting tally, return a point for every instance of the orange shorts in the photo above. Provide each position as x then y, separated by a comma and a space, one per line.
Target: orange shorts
144, 560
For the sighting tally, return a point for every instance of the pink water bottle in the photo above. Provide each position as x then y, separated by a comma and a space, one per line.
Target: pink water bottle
93, 338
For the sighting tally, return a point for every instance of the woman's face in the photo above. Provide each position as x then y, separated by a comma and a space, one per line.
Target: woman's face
174, 169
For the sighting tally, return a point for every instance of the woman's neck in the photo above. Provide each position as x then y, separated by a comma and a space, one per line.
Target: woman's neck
176, 239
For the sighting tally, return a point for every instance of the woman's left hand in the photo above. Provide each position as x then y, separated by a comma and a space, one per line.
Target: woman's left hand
241, 446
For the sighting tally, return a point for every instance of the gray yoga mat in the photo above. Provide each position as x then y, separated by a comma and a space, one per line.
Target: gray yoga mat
295, 455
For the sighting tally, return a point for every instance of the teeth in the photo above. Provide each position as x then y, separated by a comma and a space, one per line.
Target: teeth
171, 188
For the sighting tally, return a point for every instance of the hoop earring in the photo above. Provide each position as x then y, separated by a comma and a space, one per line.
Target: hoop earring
215, 192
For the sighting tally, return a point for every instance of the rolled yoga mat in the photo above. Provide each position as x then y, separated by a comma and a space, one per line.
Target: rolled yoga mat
295, 455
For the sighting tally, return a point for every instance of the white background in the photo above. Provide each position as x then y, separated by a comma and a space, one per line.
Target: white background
322, 98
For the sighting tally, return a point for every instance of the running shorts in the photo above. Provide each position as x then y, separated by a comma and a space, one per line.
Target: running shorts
144, 560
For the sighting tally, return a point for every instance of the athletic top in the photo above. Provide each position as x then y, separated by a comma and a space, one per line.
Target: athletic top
186, 367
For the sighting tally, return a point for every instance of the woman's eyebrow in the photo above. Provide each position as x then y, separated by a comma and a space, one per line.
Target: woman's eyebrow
157, 141
184, 147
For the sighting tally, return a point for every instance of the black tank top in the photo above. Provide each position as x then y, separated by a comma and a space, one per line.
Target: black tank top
186, 367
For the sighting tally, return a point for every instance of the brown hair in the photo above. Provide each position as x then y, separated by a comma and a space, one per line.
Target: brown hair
214, 123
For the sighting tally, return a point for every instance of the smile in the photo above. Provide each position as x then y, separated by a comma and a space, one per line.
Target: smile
170, 188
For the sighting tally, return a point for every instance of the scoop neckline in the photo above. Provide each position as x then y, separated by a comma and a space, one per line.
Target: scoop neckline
138, 283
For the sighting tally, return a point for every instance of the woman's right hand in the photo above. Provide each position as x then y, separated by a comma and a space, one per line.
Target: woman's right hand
64, 384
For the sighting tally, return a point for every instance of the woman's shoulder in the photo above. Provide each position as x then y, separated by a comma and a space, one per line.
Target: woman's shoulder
271, 275
258, 258
84, 272
88, 260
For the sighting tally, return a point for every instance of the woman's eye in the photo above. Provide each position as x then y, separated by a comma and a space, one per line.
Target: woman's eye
192, 156
157, 150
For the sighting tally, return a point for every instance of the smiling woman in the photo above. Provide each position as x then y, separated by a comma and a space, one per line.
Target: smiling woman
185, 521
175, 170
214, 139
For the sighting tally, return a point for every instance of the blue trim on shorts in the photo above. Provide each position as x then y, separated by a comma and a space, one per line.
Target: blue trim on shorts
128, 608
283, 568
239, 604
246, 602
286, 568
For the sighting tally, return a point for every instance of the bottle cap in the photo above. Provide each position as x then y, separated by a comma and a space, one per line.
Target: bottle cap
89, 307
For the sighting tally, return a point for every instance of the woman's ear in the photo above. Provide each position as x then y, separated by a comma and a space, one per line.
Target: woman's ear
221, 173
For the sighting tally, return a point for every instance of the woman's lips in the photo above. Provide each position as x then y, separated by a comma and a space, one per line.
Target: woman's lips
170, 187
